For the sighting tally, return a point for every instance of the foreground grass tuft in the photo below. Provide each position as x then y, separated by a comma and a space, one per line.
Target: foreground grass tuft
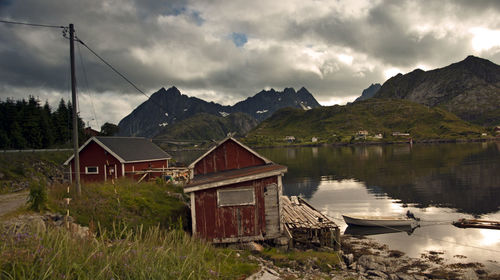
119, 254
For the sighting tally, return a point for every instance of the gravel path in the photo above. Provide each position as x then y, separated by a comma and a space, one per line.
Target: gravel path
10, 202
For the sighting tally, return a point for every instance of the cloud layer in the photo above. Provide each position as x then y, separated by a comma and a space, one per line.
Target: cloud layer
225, 51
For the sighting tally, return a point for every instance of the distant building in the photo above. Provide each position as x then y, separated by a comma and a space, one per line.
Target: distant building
290, 138
497, 129
314, 139
378, 136
104, 158
361, 134
400, 134
88, 131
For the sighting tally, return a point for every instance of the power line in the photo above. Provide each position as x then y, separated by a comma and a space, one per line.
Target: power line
87, 85
32, 24
112, 68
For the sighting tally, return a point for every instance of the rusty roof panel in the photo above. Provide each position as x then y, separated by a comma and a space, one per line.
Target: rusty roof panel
232, 174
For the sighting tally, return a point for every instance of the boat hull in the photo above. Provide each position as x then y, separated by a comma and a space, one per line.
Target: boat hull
374, 221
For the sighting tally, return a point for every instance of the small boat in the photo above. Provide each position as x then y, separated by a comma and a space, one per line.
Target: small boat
471, 223
378, 221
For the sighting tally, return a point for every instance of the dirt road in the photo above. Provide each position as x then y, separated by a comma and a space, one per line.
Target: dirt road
10, 202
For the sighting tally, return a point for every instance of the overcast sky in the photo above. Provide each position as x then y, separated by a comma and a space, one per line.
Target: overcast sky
225, 51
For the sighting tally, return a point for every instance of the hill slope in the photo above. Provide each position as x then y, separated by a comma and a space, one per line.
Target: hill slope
341, 123
469, 88
369, 92
203, 126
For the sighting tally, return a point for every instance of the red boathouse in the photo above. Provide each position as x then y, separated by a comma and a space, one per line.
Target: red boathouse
103, 158
235, 194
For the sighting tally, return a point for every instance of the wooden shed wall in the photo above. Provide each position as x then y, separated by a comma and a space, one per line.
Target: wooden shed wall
227, 156
95, 155
218, 223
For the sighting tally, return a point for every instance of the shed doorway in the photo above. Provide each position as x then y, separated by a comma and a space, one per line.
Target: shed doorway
272, 210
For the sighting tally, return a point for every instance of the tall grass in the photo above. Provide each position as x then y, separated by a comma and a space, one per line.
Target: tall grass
148, 204
121, 253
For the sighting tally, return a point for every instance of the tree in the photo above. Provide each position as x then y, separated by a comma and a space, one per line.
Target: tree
109, 129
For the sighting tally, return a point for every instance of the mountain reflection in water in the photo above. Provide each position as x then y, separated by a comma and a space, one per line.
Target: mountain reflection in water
464, 176
438, 182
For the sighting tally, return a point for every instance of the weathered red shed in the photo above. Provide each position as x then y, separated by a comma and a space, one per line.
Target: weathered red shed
235, 194
103, 158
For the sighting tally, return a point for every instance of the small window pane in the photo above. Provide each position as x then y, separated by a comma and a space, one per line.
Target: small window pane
91, 170
235, 197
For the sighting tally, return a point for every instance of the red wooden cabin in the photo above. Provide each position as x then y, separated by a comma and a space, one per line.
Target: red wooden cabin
235, 194
103, 158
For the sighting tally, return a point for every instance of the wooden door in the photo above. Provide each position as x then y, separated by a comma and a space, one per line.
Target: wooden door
272, 211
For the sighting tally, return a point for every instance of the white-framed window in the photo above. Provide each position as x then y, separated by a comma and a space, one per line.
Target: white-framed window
91, 169
236, 197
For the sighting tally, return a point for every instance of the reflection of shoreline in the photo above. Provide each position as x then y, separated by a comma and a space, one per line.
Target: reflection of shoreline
305, 188
429, 141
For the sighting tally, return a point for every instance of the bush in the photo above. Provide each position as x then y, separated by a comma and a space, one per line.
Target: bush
37, 199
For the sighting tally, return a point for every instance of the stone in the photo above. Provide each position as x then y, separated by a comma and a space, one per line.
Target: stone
348, 259
404, 276
370, 262
377, 273
393, 276
469, 274
419, 277
253, 247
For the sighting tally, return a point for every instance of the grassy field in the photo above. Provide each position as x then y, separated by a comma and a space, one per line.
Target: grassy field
117, 254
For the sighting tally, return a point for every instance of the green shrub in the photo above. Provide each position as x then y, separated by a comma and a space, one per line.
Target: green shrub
37, 199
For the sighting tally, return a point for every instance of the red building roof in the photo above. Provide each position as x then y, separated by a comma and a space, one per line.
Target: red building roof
127, 149
217, 179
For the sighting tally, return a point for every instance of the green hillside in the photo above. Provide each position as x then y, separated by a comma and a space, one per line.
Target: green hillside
376, 116
203, 126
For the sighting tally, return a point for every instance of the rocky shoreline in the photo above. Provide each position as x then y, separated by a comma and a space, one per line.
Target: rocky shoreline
363, 258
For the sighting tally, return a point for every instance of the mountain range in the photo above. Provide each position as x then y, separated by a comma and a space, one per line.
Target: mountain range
469, 88
168, 112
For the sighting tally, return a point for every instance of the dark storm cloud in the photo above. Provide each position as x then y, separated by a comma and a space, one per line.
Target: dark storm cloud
228, 50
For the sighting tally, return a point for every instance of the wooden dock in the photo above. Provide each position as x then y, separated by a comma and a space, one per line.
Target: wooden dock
306, 225
472, 223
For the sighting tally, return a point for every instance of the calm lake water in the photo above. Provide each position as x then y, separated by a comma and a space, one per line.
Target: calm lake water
439, 183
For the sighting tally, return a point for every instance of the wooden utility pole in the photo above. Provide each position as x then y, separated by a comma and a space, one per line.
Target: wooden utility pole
76, 158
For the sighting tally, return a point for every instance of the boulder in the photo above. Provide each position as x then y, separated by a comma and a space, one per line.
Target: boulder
371, 262
469, 274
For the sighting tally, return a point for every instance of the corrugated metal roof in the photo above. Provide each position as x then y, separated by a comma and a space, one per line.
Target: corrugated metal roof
200, 180
133, 148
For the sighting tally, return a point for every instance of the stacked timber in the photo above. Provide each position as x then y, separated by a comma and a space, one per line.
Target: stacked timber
306, 225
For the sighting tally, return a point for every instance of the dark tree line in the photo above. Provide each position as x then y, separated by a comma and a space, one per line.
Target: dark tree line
27, 124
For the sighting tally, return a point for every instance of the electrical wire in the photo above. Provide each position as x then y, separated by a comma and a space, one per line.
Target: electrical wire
112, 68
32, 24
87, 85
